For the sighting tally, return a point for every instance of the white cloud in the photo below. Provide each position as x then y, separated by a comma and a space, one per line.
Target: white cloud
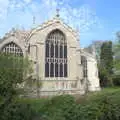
27, 1
83, 17
3, 8
22, 12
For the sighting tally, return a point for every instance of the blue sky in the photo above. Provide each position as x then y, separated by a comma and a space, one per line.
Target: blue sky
94, 19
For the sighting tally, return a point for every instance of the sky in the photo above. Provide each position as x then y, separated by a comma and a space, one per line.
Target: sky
93, 19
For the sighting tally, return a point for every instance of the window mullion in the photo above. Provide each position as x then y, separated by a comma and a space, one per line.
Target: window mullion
57, 54
12, 48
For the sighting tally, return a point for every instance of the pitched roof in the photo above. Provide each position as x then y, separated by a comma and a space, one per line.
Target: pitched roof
51, 22
19, 34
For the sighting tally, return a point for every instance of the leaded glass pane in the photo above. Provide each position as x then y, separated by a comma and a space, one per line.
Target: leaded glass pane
65, 70
47, 50
52, 50
56, 69
56, 51
61, 70
47, 69
61, 51
65, 51
51, 70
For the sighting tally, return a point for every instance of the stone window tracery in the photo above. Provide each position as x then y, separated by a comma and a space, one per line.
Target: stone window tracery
56, 55
12, 48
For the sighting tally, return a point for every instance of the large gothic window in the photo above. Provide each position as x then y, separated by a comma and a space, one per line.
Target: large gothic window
12, 48
56, 55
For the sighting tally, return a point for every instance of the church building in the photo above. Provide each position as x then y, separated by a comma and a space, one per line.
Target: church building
59, 63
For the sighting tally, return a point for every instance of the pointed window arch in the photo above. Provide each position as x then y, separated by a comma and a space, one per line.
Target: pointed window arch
56, 54
12, 48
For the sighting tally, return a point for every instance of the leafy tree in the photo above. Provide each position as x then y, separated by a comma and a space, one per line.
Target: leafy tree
14, 70
106, 64
116, 49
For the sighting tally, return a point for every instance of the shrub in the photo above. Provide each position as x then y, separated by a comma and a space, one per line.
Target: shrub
116, 80
17, 111
65, 108
57, 107
104, 106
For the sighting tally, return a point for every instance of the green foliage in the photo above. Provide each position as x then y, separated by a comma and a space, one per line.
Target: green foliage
58, 107
116, 49
13, 71
116, 80
16, 111
106, 64
96, 106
